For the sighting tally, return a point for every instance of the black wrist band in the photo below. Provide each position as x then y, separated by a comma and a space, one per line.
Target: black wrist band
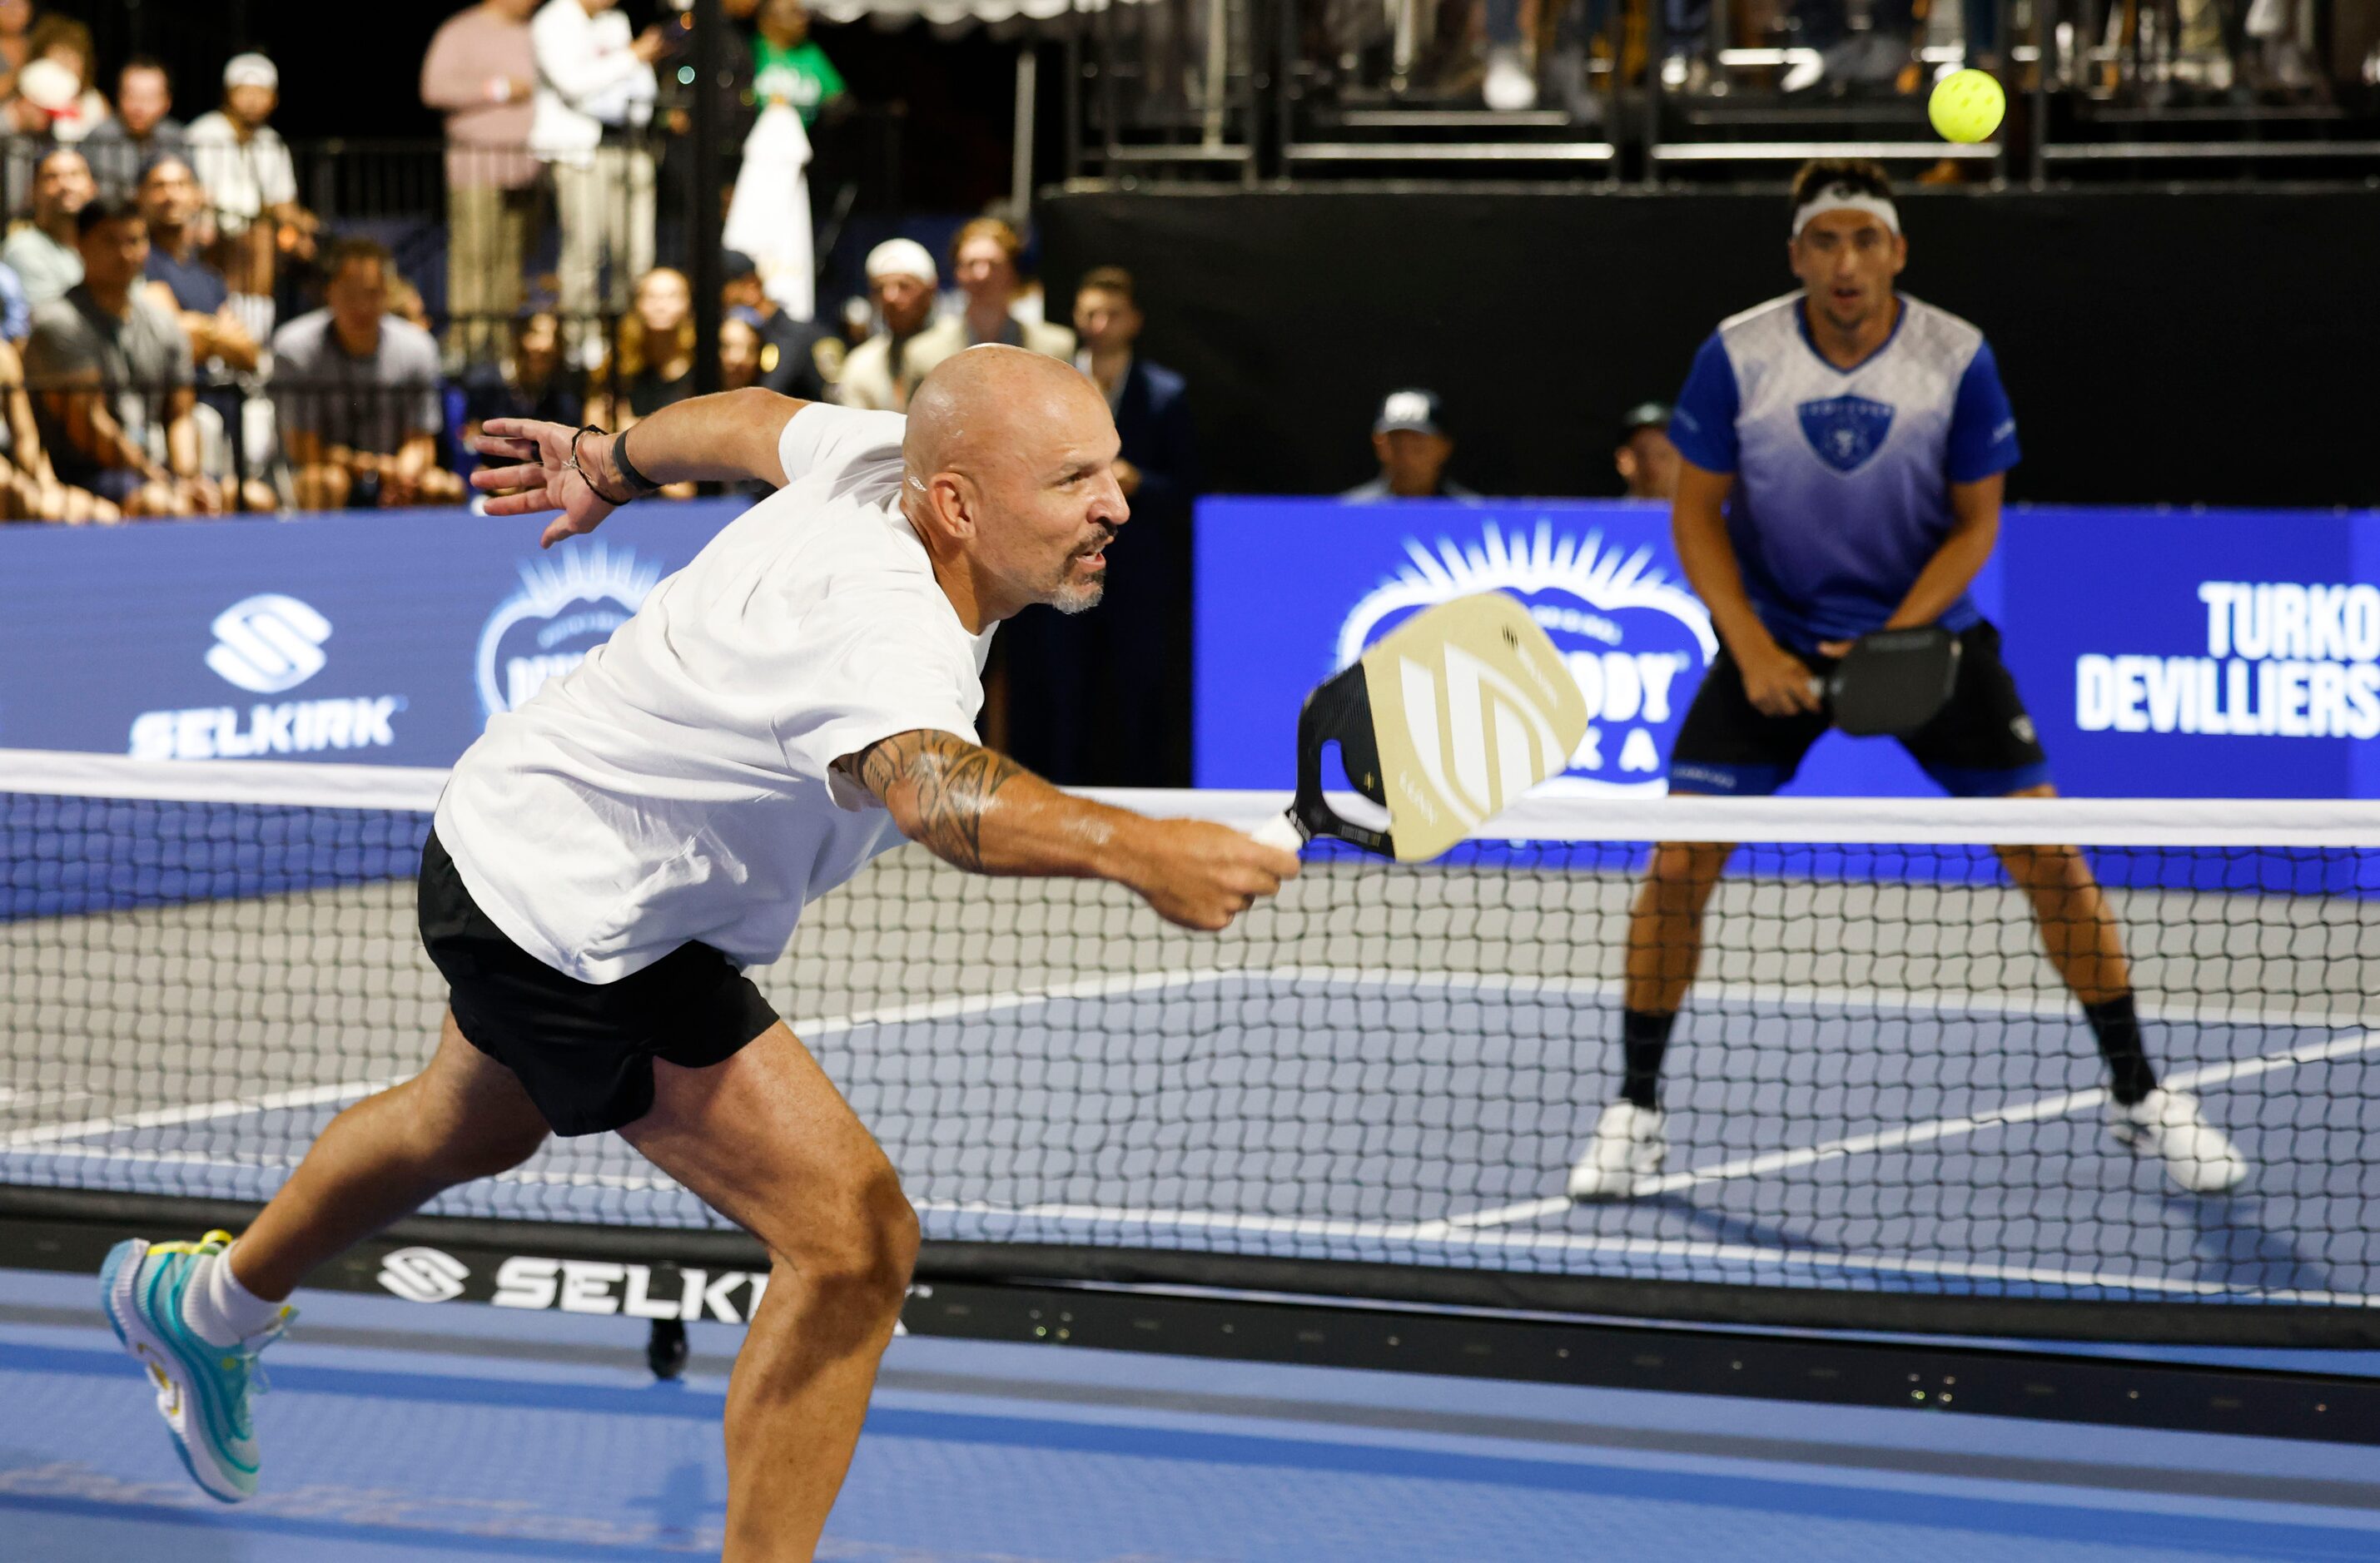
638, 484
575, 465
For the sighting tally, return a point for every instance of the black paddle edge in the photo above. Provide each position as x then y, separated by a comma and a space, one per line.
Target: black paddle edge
1340, 711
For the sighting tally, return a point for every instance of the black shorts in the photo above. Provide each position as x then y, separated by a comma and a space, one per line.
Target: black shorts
1980, 745
583, 1050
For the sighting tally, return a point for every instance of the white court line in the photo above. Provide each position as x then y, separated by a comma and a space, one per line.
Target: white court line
158, 1118
1941, 1129
1942, 1002
1420, 1235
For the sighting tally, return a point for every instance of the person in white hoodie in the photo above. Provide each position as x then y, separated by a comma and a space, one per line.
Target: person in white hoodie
595, 91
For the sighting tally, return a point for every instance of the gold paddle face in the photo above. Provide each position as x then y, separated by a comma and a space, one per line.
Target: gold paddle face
1471, 706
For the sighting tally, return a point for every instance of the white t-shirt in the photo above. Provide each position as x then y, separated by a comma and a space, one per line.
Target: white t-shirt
675, 785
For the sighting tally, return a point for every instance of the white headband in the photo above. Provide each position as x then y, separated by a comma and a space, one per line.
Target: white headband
1843, 197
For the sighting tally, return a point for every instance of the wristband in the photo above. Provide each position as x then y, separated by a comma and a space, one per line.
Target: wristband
638, 484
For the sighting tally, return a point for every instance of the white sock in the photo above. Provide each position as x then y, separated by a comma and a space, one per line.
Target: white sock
219, 1310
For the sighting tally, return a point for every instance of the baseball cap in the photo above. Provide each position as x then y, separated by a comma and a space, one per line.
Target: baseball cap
1644, 415
48, 86
1418, 410
251, 70
734, 266
901, 258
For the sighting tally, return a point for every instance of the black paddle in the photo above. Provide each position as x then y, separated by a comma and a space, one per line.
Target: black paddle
1893, 681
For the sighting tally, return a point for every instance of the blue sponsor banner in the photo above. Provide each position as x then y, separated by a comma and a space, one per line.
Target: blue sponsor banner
2162, 654
378, 638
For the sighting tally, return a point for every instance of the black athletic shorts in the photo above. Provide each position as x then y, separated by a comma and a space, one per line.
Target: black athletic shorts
583, 1050
1981, 744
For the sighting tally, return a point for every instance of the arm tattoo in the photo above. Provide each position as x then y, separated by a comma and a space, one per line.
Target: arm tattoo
953, 782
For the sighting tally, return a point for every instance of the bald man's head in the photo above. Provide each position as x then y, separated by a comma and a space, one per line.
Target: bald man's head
1009, 468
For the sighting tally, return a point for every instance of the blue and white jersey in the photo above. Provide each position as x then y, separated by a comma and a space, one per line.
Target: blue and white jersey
1843, 477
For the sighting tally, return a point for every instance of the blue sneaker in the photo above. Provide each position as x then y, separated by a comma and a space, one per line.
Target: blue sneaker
202, 1390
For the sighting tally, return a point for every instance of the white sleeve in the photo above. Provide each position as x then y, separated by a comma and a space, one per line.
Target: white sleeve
572, 58
820, 439
869, 664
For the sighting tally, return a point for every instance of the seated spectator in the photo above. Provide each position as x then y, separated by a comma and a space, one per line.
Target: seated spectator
1410, 442
881, 372
183, 284
112, 379
66, 43
654, 364
739, 350
30, 490
143, 129
356, 392
530, 381
1645, 460
787, 65
179, 275
790, 360
404, 303
984, 257
25, 131
244, 166
16, 309
45, 254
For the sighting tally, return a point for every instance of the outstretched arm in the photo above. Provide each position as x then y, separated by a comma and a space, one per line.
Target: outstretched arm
988, 814
725, 438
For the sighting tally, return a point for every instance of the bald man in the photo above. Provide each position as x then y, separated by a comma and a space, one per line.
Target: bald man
607, 860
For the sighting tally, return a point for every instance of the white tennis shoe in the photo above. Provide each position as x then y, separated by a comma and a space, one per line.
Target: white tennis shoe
2166, 1126
1628, 1146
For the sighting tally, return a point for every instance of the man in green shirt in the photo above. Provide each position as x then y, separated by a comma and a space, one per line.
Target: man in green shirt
787, 68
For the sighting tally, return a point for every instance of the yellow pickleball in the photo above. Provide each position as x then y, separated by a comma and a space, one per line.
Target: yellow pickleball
1967, 105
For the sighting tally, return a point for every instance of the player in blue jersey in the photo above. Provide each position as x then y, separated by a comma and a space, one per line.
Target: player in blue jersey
1845, 448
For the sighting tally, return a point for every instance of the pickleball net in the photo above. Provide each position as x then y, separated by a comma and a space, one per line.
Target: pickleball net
1879, 1087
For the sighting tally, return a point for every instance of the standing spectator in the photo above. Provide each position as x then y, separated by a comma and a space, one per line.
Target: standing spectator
143, 129
1645, 460
356, 395
984, 257
1112, 689
788, 67
16, 21
245, 167
530, 381
111, 376
1410, 440
482, 72
45, 253
25, 121
595, 91
789, 359
66, 43
881, 372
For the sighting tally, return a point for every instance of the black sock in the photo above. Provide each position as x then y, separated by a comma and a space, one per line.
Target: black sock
2118, 1026
1644, 1037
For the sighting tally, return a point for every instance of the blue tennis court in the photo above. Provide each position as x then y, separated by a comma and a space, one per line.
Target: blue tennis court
1872, 1140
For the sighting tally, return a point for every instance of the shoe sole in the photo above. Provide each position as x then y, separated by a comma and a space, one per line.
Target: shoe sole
175, 1393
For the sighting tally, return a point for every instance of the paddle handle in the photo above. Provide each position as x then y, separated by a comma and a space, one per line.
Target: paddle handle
1280, 832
